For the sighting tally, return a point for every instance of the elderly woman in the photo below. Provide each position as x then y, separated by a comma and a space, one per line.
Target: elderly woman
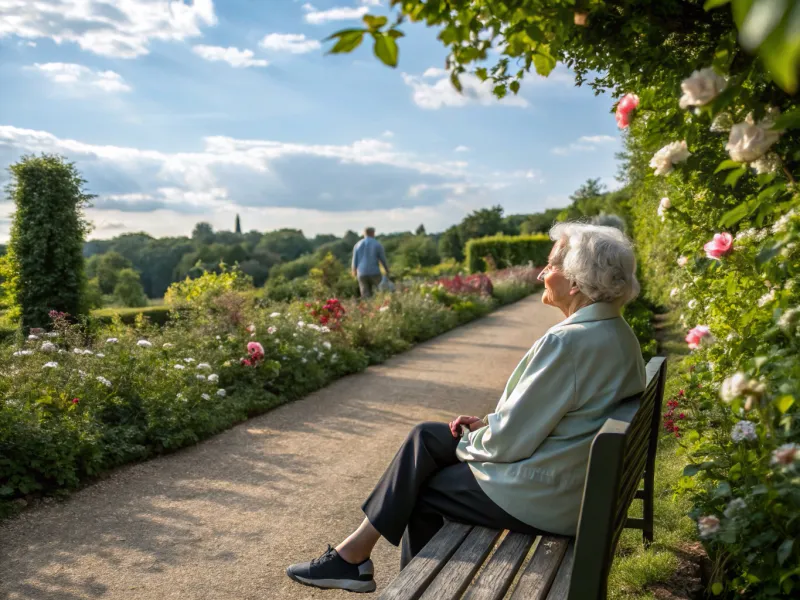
523, 466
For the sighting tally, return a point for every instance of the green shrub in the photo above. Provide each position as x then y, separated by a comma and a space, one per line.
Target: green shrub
293, 269
506, 251
157, 315
279, 289
129, 289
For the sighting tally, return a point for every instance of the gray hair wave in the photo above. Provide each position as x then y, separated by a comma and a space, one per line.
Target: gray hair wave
598, 259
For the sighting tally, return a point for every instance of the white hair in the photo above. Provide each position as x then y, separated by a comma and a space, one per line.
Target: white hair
598, 259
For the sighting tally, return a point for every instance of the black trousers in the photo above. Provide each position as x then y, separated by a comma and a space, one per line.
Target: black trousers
426, 484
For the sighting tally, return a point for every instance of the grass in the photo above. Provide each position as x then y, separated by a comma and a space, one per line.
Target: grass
635, 568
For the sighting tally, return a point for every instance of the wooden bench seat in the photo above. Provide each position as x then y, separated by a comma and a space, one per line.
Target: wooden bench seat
462, 561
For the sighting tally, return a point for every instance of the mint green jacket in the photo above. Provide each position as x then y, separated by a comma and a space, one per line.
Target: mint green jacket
532, 455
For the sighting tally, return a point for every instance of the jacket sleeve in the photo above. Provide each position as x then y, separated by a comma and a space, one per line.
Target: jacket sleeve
354, 262
544, 394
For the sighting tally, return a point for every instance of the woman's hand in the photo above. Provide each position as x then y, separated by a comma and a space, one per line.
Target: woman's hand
472, 422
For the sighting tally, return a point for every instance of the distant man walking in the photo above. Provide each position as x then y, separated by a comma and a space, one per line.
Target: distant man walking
368, 255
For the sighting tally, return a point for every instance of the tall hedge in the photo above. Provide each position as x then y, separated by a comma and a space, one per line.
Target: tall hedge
507, 251
47, 234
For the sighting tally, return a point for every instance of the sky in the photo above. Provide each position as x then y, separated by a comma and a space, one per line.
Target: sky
177, 112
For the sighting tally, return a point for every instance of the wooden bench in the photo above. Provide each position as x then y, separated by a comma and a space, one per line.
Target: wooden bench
622, 457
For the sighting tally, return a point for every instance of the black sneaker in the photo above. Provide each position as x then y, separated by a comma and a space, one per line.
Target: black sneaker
331, 571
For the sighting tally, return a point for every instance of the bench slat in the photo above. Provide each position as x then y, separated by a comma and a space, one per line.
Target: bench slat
495, 579
560, 587
538, 577
412, 581
454, 578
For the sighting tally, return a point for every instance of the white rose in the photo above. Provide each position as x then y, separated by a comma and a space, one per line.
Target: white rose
692, 304
701, 88
748, 141
49, 347
144, 344
665, 159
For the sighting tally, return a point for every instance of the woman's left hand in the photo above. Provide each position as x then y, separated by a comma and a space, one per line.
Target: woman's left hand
472, 422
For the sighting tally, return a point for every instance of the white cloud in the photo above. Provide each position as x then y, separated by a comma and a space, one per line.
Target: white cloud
370, 2
461, 149
434, 72
585, 143
442, 93
294, 43
367, 181
233, 56
122, 29
81, 77
388, 134
337, 13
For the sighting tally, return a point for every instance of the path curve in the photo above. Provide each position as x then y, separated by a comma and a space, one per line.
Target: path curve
221, 520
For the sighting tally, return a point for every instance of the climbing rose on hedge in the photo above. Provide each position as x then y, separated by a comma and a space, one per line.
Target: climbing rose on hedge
748, 141
786, 454
718, 247
665, 159
625, 107
708, 525
701, 88
696, 335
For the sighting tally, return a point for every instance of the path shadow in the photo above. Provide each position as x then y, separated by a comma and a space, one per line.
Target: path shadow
143, 518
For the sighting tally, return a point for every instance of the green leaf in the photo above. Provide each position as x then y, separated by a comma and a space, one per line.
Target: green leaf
784, 403
448, 35
691, 470
349, 40
500, 90
481, 73
734, 176
717, 588
785, 550
768, 254
514, 86
712, 4
735, 215
727, 165
789, 120
456, 81
395, 33
723, 490
374, 23
544, 63
386, 49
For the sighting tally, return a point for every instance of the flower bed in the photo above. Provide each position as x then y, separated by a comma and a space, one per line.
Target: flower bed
74, 405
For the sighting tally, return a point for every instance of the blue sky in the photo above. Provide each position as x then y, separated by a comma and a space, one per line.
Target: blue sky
177, 112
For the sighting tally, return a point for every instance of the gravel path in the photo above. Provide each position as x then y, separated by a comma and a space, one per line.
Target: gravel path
221, 520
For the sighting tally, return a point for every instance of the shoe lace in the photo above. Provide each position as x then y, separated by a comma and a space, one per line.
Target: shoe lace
330, 554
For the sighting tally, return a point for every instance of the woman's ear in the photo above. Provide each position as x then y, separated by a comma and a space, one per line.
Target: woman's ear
574, 289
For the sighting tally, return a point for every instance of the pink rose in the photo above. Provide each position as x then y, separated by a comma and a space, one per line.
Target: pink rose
721, 245
696, 335
255, 349
625, 107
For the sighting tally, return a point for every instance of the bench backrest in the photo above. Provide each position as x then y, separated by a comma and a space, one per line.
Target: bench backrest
620, 452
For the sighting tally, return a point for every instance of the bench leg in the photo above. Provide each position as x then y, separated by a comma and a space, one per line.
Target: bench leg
648, 508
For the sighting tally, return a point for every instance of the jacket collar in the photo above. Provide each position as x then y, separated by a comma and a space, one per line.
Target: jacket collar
599, 311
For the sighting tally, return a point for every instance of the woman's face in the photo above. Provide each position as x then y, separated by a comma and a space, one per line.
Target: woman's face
557, 288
